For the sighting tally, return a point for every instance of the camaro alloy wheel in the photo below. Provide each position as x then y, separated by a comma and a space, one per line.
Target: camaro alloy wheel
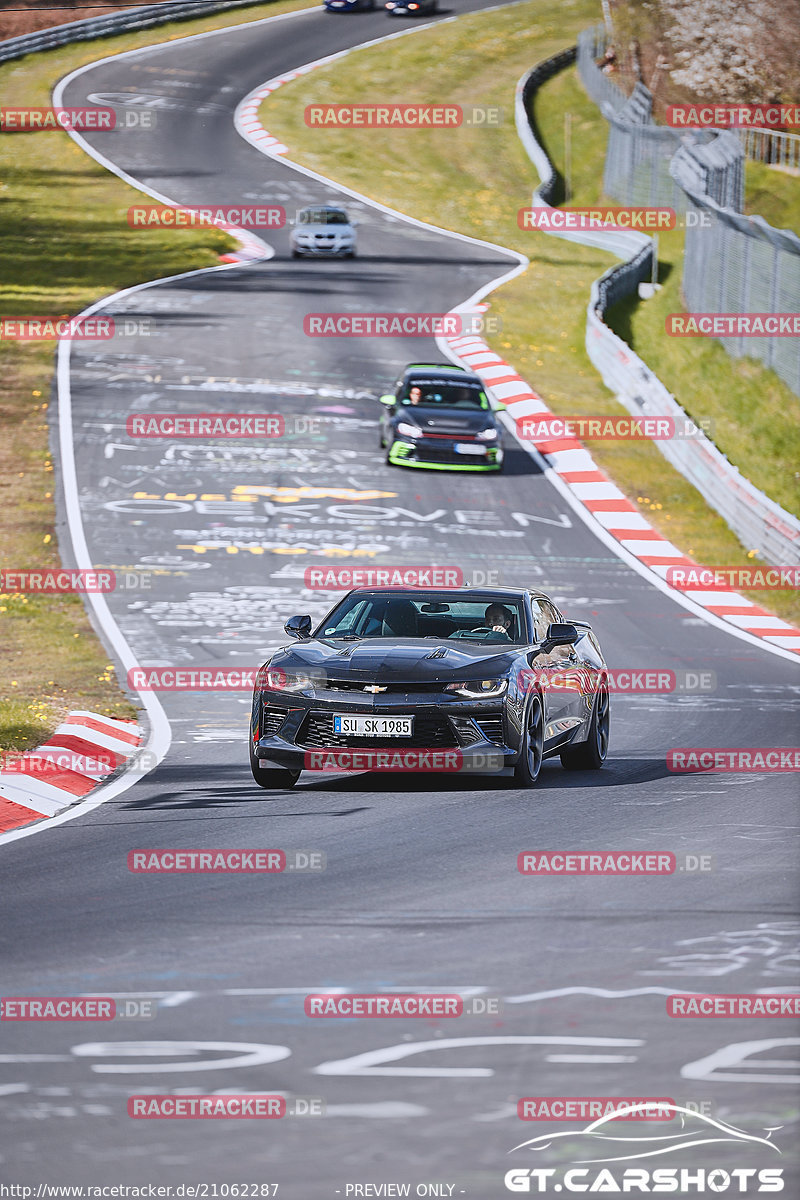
272, 778
591, 754
527, 769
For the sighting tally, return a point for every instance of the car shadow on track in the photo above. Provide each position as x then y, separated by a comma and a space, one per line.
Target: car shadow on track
618, 772
190, 790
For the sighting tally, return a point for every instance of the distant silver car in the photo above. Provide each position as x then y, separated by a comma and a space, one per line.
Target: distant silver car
325, 230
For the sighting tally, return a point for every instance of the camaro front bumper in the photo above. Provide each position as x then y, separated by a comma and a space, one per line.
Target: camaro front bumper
462, 737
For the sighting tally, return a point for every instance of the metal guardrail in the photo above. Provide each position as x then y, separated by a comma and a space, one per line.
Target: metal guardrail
771, 146
758, 522
118, 22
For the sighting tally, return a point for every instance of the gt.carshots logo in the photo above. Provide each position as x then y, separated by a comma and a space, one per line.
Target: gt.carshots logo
681, 1181
603, 1146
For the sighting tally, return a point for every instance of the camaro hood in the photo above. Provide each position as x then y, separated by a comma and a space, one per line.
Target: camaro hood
448, 420
398, 660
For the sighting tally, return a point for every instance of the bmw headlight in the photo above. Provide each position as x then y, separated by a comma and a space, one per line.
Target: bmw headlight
481, 689
406, 429
488, 435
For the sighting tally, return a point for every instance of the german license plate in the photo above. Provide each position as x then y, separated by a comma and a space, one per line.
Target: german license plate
468, 448
376, 727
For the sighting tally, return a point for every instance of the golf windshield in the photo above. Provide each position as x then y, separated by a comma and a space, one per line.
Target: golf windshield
429, 615
440, 393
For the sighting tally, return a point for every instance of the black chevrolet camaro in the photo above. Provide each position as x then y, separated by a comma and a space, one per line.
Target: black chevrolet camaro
466, 679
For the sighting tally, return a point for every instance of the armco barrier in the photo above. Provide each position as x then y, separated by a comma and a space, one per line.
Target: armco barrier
117, 22
758, 522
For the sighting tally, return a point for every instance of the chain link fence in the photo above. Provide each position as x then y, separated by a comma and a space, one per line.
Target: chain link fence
732, 263
735, 263
759, 523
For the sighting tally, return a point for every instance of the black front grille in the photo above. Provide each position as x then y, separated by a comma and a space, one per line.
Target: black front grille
492, 728
350, 685
431, 731
271, 720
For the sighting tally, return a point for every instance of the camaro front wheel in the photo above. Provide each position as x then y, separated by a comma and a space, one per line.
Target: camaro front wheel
272, 778
527, 769
591, 754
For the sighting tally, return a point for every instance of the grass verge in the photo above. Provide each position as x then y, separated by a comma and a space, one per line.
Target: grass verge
474, 180
66, 243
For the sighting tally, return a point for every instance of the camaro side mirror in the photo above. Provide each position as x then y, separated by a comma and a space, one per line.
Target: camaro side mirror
298, 627
388, 400
561, 633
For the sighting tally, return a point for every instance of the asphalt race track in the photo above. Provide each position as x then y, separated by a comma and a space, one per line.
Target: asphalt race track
420, 888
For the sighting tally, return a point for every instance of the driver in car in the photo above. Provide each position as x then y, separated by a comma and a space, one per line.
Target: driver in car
499, 619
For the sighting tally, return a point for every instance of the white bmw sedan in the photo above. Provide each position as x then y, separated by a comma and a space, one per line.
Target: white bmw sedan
323, 231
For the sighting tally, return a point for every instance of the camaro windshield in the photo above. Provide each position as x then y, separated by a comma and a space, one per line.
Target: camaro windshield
499, 620
438, 393
322, 216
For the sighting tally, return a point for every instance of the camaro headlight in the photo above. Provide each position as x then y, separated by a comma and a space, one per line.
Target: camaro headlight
488, 435
277, 680
479, 689
408, 430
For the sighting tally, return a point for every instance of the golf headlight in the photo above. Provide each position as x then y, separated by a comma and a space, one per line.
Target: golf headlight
488, 435
406, 429
479, 689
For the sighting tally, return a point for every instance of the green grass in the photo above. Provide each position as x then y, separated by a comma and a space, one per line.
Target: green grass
66, 243
474, 180
774, 194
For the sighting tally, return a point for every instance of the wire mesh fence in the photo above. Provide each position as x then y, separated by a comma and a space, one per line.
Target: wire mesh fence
732, 263
760, 523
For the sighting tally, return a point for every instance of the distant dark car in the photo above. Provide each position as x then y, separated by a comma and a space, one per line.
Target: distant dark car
347, 5
411, 8
439, 417
489, 675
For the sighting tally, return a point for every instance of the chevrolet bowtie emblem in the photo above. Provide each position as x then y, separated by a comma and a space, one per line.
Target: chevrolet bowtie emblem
374, 688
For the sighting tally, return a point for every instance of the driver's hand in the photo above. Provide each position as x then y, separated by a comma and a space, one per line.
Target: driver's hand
499, 629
